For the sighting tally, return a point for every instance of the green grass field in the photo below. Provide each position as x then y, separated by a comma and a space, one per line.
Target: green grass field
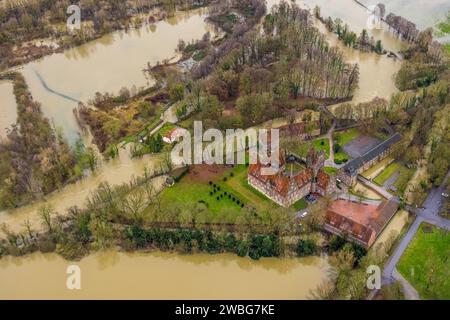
330, 170
300, 204
426, 263
386, 173
188, 191
322, 145
346, 136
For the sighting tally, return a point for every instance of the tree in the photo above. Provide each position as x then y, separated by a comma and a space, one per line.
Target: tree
46, 213
176, 92
379, 47
306, 247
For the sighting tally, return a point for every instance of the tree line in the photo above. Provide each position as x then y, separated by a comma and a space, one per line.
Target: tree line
35, 159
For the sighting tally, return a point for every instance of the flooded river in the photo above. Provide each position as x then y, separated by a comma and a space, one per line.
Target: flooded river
114, 61
113, 275
106, 65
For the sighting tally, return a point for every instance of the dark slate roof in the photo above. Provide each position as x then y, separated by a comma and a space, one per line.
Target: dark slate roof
353, 165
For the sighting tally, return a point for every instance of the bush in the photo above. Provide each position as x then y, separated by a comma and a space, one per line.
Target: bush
306, 248
224, 179
242, 249
336, 243
46, 246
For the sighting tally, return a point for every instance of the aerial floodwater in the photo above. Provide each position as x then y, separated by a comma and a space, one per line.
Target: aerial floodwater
60, 81
113, 61
8, 107
115, 275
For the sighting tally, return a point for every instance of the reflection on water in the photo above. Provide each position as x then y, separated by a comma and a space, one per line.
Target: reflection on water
424, 13
114, 61
8, 107
114, 275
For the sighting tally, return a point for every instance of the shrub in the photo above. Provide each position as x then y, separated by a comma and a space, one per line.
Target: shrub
224, 179
306, 248
242, 249
47, 246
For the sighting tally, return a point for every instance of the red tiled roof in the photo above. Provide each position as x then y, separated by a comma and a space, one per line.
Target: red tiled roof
280, 182
323, 179
363, 221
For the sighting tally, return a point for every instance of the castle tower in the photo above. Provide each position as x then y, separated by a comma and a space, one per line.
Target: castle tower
315, 160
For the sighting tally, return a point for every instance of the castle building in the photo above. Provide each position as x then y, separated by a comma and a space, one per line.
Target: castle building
349, 173
294, 180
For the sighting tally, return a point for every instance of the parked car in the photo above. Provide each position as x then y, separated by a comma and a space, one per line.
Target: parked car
310, 198
304, 214
445, 195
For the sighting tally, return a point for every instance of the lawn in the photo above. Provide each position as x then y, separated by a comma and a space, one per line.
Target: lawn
232, 182
402, 181
322, 145
300, 204
377, 168
237, 181
425, 263
346, 136
330, 170
386, 173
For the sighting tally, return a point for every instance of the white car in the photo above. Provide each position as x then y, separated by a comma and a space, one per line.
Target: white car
445, 195
304, 214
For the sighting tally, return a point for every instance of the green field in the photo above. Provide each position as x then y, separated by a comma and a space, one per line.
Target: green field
300, 204
233, 182
330, 170
322, 145
346, 136
386, 173
403, 178
426, 263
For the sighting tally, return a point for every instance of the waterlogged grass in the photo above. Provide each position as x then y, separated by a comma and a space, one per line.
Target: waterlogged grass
425, 263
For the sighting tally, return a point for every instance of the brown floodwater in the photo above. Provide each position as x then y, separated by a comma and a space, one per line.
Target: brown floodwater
8, 107
113, 61
117, 60
115, 172
114, 275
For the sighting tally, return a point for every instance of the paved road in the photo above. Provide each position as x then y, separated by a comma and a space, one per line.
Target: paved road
429, 214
